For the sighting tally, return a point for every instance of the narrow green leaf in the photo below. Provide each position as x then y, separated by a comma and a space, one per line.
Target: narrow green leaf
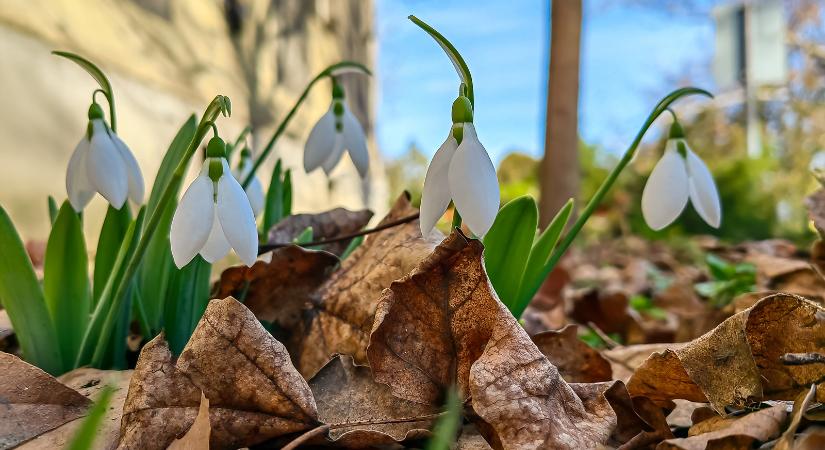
460, 66
353, 244
274, 201
99, 76
88, 430
304, 237
287, 203
507, 246
186, 301
153, 278
114, 228
538, 266
66, 282
21, 296
52, 209
446, 429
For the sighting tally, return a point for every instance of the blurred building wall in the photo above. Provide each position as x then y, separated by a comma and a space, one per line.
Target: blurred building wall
167, 59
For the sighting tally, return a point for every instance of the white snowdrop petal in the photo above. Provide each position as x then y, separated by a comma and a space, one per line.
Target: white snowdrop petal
78, 187
356, 142
703, 192
666, 192
105, 166
335, 154
216, 246
320, 141
237, 219
255, 193
435, 197
134, 175
192, 221
474, 184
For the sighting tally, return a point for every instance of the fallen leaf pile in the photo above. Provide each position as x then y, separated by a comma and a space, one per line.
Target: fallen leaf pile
305, 350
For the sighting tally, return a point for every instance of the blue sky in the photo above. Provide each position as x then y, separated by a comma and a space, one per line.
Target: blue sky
630, 57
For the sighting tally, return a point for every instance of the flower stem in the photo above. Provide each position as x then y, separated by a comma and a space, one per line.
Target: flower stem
594, 202
105, 314
101, 79
328, 72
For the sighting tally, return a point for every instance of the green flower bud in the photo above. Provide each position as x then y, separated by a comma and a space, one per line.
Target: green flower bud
462, 110
676, 131
95, 111
337, 91
216, 148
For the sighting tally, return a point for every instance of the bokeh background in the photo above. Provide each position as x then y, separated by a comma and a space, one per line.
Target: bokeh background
568, 82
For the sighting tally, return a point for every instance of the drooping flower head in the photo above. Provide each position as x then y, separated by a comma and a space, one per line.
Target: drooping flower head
101, 162
461, 171
214, 214
255, 191
678, 177
337, 130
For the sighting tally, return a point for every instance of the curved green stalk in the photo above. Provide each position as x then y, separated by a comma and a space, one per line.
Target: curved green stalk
100, 77
103, 315
331, 71
458, 62
660, 108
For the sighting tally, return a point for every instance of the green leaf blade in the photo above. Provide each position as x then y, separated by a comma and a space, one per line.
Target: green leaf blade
66, 282
22, 297
111, 236
186, 301
507, 246
273, 209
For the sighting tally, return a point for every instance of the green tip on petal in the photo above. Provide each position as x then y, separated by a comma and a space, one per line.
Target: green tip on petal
462, 110
246, 153
338, 109
216, 148
95, 111
215, 169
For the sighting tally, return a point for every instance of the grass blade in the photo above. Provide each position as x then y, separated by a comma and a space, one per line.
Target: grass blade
87, 432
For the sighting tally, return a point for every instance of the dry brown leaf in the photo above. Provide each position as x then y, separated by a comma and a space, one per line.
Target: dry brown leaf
759, 426
471, 439
711, 424
443, 325
626, 359
278, 291
346, 394
254, 391
89, 383
343, 308
197, 438
739, 359
577, 362
33, 402
325, 225
800, 405
812, 439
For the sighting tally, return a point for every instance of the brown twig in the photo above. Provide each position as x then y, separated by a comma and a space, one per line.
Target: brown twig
801, 359
268, 247
386, 421
608, 341
295, 443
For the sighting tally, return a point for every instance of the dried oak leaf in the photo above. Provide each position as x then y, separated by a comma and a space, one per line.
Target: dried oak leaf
197, 438
577, 362
443, 325
33, 402
89, 383
761, 426
278, 291
325, 225
254, 391
739, 359
343, 307
346, 394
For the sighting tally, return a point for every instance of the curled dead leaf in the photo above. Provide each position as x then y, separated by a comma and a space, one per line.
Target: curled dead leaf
325, 225
740, 359
362, 413
759, 426
255, 393
278, 291
343, 307
443, 325
33, 402
577, 362
197, 438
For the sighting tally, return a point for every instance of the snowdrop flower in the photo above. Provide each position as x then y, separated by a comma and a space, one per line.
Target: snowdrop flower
678, 177
461, 171
214, 215
102, 163
336, 131
255, 191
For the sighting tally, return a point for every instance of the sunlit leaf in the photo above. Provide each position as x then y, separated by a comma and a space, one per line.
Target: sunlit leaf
111, 236
21, 296
52, 209
507, 246
273, 210
186, 300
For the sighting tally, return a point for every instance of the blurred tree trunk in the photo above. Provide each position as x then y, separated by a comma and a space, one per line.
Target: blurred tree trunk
559, 170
